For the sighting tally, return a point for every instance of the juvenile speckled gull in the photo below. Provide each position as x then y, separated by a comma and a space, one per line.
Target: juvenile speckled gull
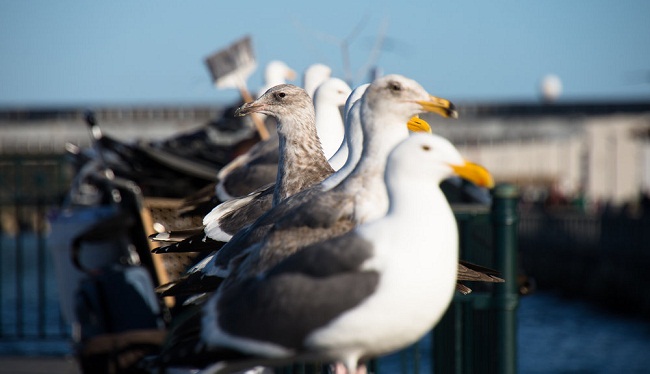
223, 220
258, 167
300, 153
263, 157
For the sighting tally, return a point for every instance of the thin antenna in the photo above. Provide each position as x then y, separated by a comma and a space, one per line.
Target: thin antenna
376, 49
344, 44
345, 48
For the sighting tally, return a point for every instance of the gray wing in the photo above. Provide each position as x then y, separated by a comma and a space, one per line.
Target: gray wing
306, 291
316, 221
321, 211
261, 227
246, 179
256, 170
235, 220
341, 254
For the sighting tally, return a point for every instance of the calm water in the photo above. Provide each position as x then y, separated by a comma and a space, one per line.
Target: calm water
558, 335
555, 335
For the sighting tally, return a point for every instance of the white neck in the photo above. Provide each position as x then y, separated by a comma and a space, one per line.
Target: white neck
329, 125
380, 135
353, 148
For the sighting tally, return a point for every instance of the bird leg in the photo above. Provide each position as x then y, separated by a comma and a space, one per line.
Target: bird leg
340, 368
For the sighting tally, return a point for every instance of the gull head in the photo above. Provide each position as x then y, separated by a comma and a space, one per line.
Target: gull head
398, 95
424, 155
279, 101
334, 91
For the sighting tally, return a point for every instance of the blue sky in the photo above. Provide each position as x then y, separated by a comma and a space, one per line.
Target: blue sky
151, 52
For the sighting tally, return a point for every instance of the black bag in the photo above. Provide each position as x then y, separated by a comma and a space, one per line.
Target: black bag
119, 320
118, 299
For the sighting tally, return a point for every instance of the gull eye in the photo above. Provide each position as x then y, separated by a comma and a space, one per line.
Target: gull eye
395, 86
426, 148
281, 95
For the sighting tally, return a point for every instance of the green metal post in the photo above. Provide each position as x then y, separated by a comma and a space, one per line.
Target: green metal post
504, 221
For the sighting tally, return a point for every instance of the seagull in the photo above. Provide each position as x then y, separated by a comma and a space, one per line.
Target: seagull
275, 73
259, 166
330, 210
370, 292
300, 154
314, 76
206, 275
260, 162
218, 222
325, 210
263, 155
328, 97
352, 128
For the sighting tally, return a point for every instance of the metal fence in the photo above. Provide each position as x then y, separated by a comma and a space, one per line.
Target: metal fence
476, 334
30, 186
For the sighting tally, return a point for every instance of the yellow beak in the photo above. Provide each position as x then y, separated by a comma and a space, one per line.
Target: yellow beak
474, 173
440, 106
417, 124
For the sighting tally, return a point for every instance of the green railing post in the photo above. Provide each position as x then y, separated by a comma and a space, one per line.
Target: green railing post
504, 223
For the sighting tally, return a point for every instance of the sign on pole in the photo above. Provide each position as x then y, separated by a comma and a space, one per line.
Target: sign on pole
230, 68
232, 65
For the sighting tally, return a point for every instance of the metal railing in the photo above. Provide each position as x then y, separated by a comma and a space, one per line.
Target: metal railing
30, 186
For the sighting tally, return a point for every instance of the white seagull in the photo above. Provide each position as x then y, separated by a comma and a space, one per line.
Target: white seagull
276, 72
314, 76
328, 98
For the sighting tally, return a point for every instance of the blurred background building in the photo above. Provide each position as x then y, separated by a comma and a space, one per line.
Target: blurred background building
591, 153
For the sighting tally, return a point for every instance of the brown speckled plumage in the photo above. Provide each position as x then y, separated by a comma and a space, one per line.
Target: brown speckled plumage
302, 162
301, 159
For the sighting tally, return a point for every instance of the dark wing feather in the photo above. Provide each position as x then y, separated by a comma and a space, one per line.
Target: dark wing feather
342, 254
196, 243
183, 346
286, 308
468, 271
261, 227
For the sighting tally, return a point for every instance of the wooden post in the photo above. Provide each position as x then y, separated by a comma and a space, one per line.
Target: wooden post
159, 266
